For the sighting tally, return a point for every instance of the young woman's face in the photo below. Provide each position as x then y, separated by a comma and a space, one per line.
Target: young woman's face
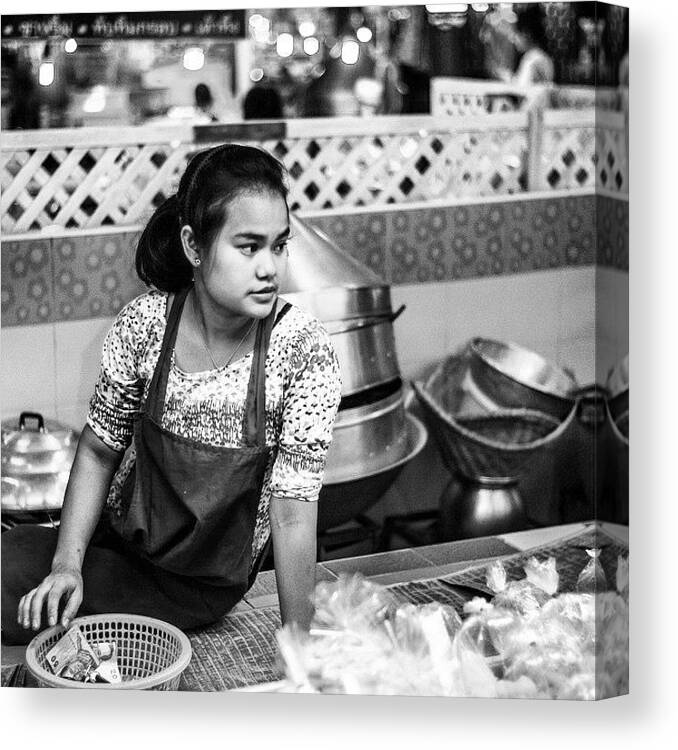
243, 269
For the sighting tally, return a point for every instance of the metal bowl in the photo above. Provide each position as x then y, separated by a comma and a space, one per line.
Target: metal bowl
618, 389
342, 500
514, 377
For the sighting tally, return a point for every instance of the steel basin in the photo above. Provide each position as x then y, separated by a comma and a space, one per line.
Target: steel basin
514, 377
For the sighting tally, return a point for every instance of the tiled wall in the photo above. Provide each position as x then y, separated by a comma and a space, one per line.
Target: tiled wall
83, 276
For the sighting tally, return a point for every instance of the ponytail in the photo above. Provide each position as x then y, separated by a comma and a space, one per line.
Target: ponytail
160, 259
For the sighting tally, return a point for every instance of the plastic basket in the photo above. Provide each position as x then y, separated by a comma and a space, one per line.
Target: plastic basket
152, 654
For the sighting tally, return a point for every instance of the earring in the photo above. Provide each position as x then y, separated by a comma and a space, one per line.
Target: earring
197, 261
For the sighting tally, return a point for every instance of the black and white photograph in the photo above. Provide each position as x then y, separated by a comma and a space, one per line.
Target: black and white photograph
315, 350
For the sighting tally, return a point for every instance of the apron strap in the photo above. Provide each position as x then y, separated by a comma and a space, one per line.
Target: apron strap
158, 387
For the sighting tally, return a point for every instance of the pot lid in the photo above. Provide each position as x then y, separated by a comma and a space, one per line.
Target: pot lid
317, 262
32, 434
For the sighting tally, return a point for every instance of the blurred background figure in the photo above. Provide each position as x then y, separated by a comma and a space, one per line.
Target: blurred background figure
529, 37
262, 103
204, 102
20, 96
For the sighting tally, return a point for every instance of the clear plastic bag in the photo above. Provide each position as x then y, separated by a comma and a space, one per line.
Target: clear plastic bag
592, 578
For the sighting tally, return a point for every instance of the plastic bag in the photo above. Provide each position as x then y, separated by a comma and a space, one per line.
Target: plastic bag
592, 577
622, 578
521, 596
543, 574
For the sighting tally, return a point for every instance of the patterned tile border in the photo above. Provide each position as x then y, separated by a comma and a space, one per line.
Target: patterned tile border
90, 276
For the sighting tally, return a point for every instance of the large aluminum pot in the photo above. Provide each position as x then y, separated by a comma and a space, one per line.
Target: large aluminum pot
340, 501
366, 351
344, 302
368, 438
37, 456
514, 377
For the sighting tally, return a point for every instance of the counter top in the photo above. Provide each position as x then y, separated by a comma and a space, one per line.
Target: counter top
240, 650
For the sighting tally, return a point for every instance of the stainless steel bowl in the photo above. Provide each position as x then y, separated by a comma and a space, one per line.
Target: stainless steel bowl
342, 499
368, 439
618, 389
514, 377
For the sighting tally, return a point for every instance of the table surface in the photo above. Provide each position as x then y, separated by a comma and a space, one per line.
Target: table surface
260, 605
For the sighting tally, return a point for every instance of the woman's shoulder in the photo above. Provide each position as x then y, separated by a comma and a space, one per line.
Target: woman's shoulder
298, 324
147, 307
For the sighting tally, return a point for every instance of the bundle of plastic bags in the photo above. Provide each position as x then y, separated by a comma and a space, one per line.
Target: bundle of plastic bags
528, 642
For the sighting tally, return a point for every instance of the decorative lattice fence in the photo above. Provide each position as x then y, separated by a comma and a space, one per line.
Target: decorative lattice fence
115, 176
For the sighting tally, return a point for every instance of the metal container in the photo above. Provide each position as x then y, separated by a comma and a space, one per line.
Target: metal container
366, 351
345, 303
37, 456
367, 439
618, 389
514, 377
344, 499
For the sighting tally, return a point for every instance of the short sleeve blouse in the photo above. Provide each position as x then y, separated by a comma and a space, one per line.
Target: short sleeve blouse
303, 387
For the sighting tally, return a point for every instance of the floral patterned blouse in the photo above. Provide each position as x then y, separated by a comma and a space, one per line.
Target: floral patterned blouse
303, 386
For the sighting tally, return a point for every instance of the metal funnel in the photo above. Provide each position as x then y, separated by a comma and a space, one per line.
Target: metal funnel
316, 262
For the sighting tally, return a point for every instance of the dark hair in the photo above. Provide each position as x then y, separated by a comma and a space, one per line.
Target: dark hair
530, 22
212, 179
203, 95
262, 103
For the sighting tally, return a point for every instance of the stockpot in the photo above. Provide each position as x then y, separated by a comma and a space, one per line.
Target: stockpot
37, 455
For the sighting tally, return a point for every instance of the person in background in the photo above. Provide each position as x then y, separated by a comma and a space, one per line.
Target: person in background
208, 430
535, 65
262, 103
20, 96
204, 102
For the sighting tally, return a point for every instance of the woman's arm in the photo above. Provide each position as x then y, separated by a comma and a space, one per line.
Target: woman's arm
293, 528
93, 468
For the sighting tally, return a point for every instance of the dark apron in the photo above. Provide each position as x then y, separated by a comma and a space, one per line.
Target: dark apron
191, 508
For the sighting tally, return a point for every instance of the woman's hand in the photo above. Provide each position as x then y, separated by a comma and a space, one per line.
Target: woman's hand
61, 582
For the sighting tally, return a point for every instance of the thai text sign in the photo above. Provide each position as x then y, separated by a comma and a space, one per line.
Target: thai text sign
150, 25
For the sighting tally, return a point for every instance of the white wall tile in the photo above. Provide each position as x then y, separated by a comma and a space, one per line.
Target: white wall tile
27, 370
77, 357
548, 312
577, 294
579, 355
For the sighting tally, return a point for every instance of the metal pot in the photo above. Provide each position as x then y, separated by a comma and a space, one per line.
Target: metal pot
514, 377
37, 456
342, 303
366, 351
343, 499
367, 439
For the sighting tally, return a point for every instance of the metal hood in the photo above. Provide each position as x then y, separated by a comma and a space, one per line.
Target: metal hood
316, 262
326, 281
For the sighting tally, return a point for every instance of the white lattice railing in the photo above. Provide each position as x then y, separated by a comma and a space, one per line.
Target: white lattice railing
452, 97
583, 148
94, 177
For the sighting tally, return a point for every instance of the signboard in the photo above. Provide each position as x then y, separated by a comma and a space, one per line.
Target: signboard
220, 24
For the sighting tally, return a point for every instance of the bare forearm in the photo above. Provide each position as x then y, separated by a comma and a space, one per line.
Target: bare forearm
293, 527
88, 486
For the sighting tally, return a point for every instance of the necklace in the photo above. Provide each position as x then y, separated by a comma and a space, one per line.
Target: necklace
203, 331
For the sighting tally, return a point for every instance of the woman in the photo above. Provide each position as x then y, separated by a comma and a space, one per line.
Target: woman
226, 398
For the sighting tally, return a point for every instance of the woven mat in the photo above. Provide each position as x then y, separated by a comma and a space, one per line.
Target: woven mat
239, 650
